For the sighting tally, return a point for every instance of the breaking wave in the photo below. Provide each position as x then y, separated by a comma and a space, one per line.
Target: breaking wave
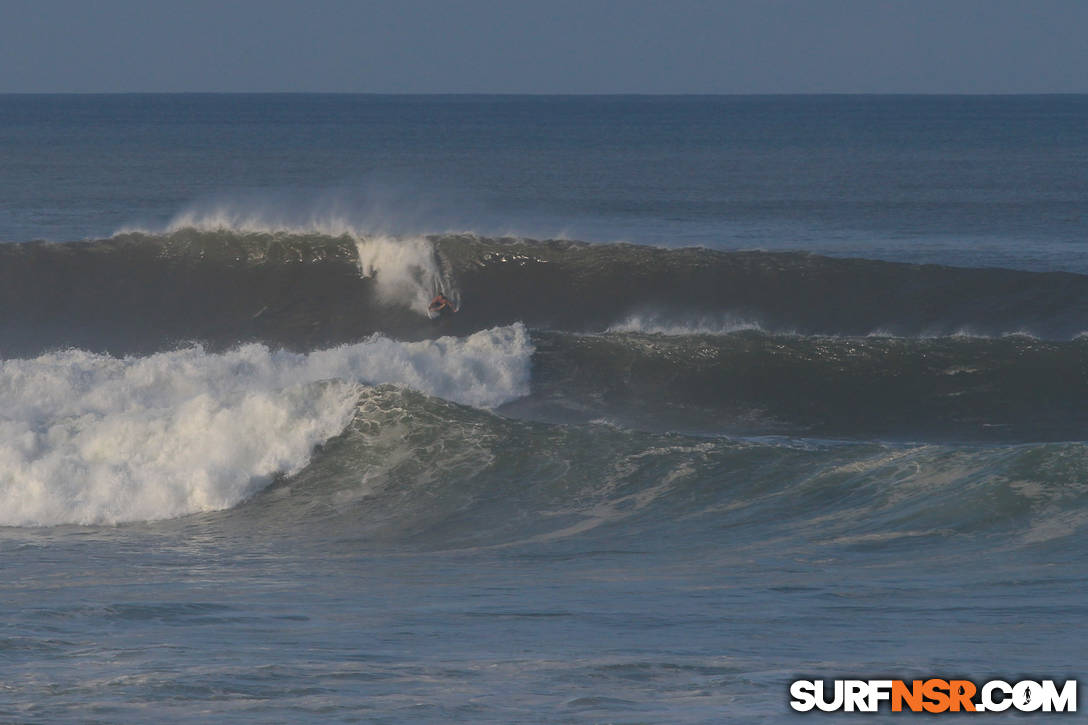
406, 270
88, 438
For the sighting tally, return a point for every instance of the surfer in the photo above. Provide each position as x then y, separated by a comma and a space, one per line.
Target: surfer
441, 305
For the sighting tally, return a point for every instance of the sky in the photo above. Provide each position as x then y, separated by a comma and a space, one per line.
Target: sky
552, 46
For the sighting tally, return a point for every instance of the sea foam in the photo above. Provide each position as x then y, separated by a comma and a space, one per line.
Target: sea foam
88, 438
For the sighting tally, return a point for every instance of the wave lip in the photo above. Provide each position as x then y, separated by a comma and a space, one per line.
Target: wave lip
87, 438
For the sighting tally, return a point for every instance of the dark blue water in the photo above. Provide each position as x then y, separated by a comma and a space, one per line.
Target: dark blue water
245, 477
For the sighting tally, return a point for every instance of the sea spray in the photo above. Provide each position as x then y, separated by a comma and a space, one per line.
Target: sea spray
657, 324
407, 271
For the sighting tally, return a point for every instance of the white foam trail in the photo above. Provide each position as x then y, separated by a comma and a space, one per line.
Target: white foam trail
87, 438
649, 324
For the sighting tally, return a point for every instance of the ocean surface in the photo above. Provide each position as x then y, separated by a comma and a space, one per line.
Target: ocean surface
740, 390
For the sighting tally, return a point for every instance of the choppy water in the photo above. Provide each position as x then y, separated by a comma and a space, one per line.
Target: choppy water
245, 477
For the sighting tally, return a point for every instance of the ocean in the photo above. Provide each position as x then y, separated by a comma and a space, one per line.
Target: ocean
739, 391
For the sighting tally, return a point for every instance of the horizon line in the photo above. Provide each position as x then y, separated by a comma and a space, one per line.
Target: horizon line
544, 94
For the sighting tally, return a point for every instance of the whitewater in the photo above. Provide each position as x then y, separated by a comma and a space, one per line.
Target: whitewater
91, 439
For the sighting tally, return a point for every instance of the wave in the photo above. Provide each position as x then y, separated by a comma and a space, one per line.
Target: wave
88, 438
419, 472
410, 272
580, 287
305, 289
1013, 388
302, 444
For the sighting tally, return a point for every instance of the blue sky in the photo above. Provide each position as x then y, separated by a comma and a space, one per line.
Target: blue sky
558, 46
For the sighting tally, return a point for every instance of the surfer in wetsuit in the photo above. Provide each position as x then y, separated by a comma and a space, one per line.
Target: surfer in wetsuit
441, 304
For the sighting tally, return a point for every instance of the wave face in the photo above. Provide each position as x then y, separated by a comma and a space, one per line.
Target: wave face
1013, 388
140, 292
88, 438
581, 287
419, 472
